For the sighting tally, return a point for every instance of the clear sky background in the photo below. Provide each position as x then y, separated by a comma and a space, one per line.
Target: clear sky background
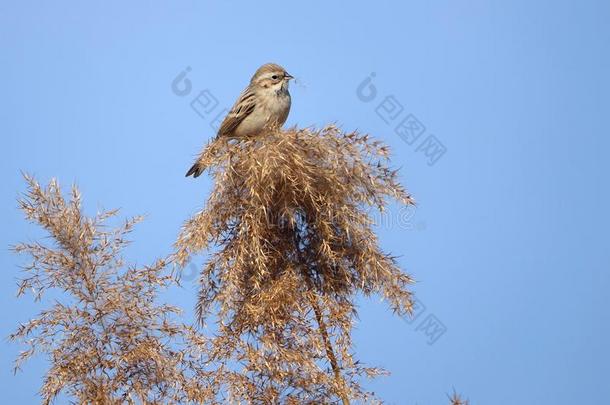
509, 242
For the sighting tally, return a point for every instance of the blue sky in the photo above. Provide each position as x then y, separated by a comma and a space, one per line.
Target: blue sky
509, 242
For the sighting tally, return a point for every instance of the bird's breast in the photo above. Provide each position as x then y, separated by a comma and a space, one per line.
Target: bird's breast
271, 109
277, 106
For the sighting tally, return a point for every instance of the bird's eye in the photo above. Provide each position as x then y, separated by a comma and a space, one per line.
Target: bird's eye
274, 77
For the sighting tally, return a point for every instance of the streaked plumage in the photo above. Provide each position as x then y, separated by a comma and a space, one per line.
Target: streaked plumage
264, 104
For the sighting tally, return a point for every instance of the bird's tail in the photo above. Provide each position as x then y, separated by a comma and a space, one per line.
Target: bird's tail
199, 167
195, 170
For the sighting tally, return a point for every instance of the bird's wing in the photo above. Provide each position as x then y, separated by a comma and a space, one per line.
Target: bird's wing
241, 109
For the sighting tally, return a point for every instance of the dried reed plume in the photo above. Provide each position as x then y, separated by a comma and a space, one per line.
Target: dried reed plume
456, 399
107, 341
291, 248
288, 214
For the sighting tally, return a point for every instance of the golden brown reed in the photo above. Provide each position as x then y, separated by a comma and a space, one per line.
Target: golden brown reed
288, 214
291, 246
106, 339
456, 399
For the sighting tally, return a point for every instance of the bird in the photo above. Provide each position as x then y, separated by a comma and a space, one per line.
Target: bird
264, 104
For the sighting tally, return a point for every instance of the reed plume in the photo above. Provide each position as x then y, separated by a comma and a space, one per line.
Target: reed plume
106, 338
291, 246
288, 217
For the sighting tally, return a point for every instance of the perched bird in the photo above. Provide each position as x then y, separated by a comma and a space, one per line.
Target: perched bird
262, 105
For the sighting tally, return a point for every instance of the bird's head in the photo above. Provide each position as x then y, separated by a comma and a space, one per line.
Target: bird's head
271, 76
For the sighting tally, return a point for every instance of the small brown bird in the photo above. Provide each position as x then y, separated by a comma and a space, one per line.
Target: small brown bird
264, 104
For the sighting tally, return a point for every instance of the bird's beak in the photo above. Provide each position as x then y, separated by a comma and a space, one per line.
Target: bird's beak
288, 76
